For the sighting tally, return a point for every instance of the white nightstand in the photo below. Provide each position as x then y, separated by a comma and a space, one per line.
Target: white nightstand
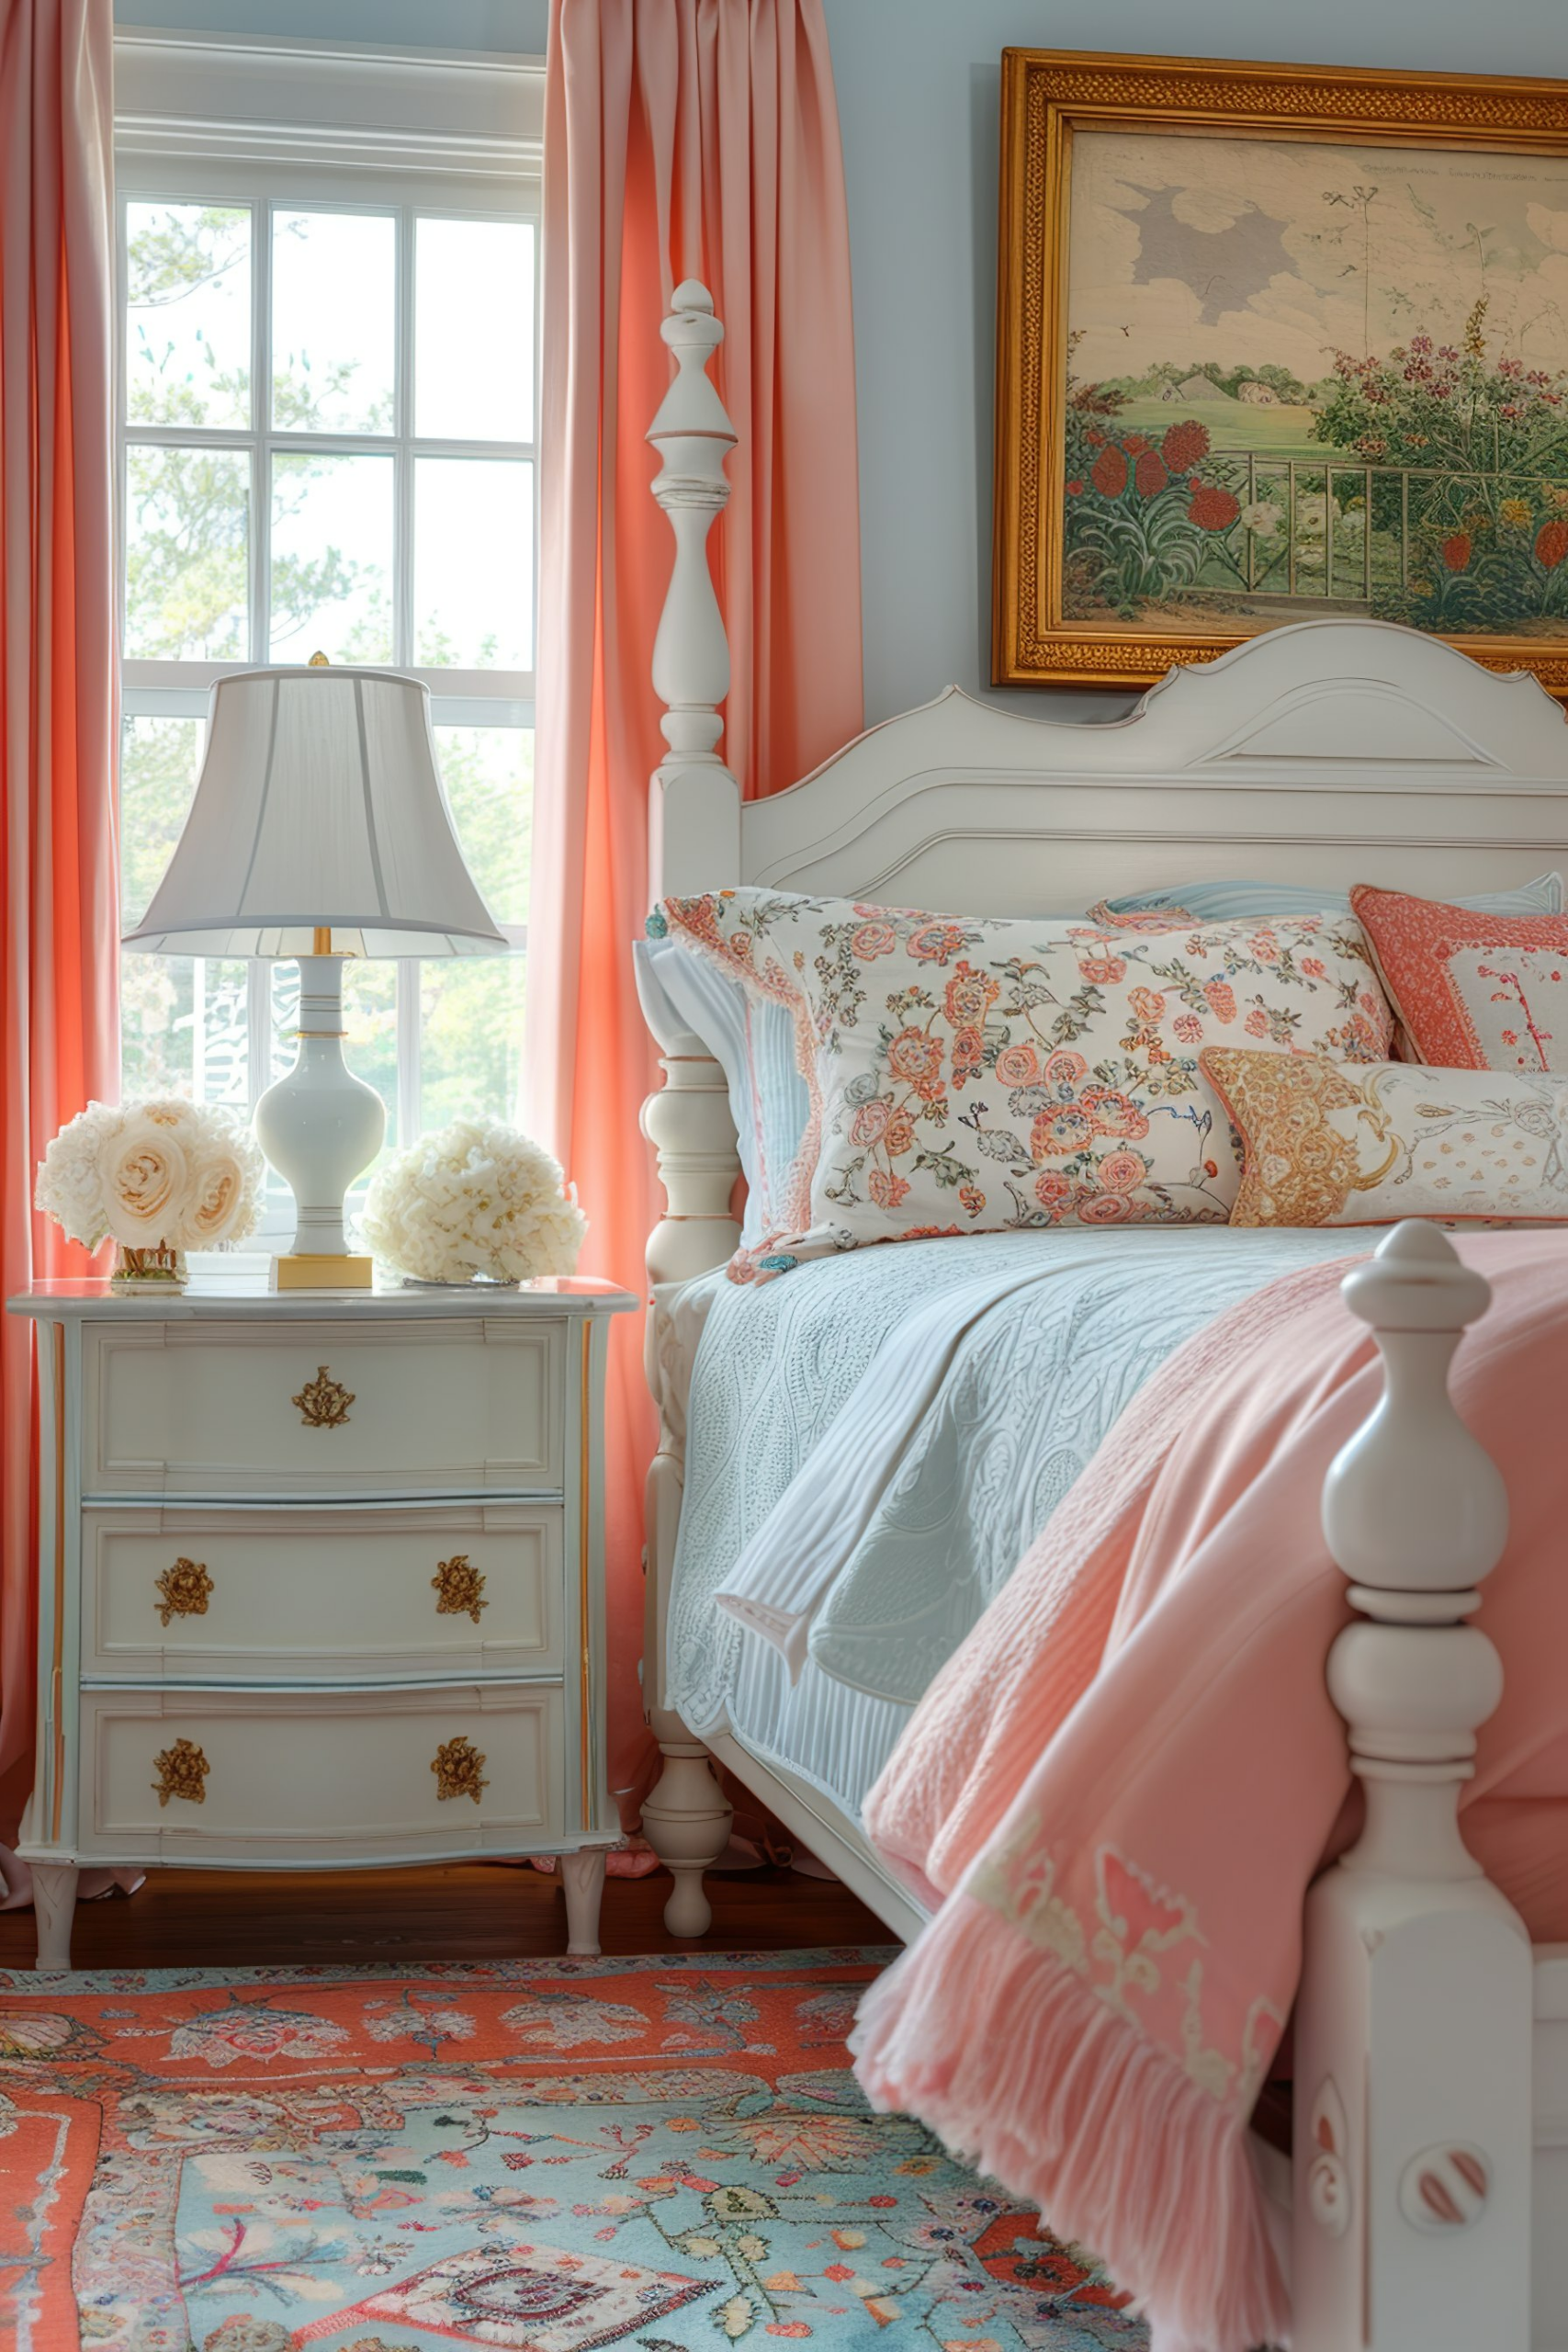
320, 1583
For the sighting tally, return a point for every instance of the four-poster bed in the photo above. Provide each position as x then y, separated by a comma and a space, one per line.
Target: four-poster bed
1431, 2057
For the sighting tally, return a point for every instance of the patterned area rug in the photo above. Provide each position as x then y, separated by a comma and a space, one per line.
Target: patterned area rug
545, 2155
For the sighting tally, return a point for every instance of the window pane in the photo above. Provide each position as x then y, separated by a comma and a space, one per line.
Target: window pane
332, 278
155, 1026
474, 330
159, 759
488, 775
473, 584
220, 1052
187, 340
470, 1038
182, 1027
332, 557
188, 538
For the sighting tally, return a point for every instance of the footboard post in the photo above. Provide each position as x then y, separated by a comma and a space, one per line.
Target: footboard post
693, 844
1412, 2176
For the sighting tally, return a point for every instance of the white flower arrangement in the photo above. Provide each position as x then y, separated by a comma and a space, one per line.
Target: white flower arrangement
166, 1174
474, 1198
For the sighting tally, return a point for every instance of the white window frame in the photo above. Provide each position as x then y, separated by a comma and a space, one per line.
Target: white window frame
255, 123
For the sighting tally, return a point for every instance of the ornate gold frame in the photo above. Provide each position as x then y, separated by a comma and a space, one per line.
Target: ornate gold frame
1046, 94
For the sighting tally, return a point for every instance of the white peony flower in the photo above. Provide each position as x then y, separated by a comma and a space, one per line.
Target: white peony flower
184, 1174
228, 1173
147, 1180
476, 1198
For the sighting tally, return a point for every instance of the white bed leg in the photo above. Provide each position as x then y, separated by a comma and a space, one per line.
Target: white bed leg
1412, 2176
686, 1822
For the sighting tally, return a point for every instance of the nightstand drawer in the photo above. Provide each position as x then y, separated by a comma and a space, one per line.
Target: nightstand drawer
323, 1777
283, 1408
210, 1594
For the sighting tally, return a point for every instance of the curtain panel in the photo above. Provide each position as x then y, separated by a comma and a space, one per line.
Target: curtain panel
682, 139
59, 1030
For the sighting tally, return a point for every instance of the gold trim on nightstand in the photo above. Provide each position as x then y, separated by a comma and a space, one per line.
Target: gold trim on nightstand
458, 1767
182, 1773
459, 1588
57, 1687
182, 1589
584, 1492
323, 1402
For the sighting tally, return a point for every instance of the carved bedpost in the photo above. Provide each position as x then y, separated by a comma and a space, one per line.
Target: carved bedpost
1411, 2176
693, 844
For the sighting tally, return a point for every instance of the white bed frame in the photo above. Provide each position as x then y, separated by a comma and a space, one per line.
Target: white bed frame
1431, 2063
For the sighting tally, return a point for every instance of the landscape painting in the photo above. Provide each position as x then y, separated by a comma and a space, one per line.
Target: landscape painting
1283, 376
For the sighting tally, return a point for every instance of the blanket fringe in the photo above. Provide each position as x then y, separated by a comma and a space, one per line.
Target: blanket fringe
1061, 2098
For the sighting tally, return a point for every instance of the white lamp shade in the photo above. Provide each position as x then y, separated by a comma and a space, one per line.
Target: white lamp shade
318, 803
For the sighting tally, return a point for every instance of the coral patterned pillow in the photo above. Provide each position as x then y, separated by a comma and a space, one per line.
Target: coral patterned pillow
970, 1075
1331, 1143
1472, 991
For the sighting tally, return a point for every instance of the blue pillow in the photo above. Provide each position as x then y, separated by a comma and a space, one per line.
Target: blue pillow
753, 1044
1227, 901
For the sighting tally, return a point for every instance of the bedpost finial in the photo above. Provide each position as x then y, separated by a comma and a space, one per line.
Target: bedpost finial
1414, 1503
1417, 1281
692, 330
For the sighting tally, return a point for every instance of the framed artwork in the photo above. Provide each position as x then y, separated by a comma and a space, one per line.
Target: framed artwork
1274, 344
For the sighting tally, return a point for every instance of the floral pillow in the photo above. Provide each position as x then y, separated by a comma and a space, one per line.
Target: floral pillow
970, 1075
1330, 1143
1472, 991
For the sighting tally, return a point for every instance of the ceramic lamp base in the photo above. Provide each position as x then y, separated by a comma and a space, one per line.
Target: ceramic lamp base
316, 1270
320, 1127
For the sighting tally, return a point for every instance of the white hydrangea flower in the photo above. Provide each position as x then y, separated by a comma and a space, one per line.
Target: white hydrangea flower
474, 1198
70, 1185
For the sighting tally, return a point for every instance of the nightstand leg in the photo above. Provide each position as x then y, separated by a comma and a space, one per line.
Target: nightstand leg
583, 1875
54, 1904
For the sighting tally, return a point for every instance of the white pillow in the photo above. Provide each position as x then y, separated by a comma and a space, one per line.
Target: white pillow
974, 1075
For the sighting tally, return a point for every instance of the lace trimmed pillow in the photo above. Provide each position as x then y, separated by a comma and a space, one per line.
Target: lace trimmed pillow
972, 1075
1327, 1142
1472, 991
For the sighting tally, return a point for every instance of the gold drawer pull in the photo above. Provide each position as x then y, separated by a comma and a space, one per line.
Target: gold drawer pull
458, 1767
183, 1590
323, 1402
182, 1773
459, 1588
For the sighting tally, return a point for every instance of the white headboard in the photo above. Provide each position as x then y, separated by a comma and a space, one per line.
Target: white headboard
1334, 751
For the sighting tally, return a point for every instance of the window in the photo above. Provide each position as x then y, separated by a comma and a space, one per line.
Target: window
328, 385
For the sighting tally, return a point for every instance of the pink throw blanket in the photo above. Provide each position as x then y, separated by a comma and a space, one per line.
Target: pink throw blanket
1124, 1782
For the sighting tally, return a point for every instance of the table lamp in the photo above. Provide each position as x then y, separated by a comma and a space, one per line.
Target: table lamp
319, 830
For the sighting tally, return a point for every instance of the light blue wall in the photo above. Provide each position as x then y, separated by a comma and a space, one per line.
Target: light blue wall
516, 25
918, 95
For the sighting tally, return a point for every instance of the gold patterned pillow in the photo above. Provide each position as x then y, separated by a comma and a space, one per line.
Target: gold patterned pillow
1326, 1142
969, 1074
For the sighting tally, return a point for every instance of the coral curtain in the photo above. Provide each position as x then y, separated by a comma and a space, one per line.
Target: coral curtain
59, 1039
682, 139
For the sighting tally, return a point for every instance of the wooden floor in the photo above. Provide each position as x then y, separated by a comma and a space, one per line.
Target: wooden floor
473, 1911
